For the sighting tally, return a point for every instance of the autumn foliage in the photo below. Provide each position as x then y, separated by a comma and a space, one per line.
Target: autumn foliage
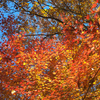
68, 69
44, 14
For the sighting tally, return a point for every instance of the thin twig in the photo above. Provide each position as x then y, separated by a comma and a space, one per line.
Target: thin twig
92, 80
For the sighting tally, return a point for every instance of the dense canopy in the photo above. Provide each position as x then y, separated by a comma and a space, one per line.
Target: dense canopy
62, 62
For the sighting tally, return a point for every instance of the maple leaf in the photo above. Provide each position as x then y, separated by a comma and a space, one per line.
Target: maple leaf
87, 17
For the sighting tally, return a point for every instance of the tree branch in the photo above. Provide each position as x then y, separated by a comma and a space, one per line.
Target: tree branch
91, 82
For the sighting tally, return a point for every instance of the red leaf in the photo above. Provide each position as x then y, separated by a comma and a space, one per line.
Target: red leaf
99, 21
81, 26
87, 17
94, 5
90, 23
97, 1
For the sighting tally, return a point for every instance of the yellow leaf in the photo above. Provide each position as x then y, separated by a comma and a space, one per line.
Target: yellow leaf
99, 20
49, 80
19, 35
12, 66
22, 29
51, 7
13, 91
54, 72
45, 9
32, 29
34, 58
27, 31
37, 3
53, 27
24, 63
0, 58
